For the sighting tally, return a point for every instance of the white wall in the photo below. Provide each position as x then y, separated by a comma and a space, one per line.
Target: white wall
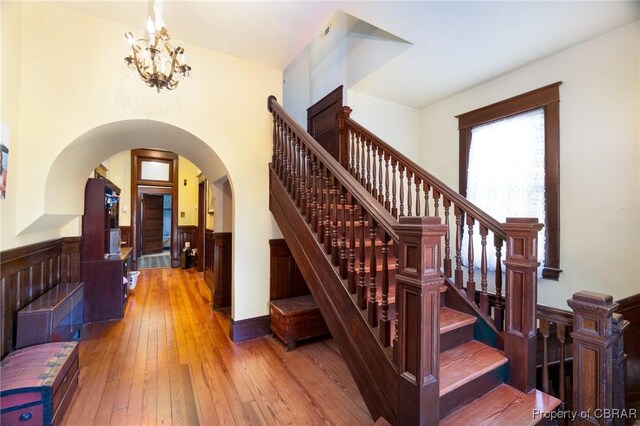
599, 157
66, 102
396, 124
10, 83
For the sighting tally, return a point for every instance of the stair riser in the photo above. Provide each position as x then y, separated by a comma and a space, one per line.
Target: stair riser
456, 337
470, 391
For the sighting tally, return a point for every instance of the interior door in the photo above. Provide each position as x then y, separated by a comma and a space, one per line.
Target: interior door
151, 223
322, 122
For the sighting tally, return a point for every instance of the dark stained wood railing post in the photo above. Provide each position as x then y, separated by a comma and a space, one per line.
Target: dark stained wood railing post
521, 264
619, 366
595, 340
418, 299
343, 137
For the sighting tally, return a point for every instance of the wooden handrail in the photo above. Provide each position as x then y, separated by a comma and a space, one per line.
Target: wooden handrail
555, 315
382, 217
480, 215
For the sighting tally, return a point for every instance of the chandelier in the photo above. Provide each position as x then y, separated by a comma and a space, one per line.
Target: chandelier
158, 63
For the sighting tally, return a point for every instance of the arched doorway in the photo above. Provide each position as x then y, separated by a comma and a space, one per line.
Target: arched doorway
75, 163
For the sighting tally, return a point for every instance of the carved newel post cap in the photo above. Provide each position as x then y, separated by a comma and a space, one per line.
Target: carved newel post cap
592, 298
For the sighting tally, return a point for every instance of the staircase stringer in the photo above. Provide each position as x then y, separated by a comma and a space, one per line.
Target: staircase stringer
373, 371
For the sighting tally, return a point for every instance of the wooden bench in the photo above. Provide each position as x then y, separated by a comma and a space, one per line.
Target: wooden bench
296, 318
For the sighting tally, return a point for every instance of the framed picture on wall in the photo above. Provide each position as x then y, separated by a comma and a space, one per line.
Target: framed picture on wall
210, 198
4, 159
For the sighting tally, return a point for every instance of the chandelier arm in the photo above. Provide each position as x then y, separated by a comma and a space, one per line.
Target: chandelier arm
174, 59
142, 73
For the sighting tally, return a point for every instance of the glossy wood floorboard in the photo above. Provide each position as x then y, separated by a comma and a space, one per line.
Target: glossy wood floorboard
170, 361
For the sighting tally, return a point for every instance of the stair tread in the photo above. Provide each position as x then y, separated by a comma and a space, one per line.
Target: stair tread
504, 405
450, 319
465, 362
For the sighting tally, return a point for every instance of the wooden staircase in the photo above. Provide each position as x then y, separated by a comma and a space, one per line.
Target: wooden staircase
422, 348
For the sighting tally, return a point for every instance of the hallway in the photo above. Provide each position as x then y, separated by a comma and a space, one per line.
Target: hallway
170, 361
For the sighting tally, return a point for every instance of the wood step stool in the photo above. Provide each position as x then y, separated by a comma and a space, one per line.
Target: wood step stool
296, 318
38, 384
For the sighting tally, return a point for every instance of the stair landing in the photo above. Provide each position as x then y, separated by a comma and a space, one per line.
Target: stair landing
504, 405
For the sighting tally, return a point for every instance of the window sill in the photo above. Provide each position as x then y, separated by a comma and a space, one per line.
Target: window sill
551, 273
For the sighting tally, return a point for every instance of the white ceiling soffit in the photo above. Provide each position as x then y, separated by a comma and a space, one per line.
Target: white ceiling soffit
458, 45
455, 44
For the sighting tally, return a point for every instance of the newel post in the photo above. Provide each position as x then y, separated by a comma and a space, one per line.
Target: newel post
521, 263
598, 358
418, 308
343, 136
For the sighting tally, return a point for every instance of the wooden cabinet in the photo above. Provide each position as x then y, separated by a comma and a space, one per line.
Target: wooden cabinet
56, 316
100, 218
105, 291
104, 274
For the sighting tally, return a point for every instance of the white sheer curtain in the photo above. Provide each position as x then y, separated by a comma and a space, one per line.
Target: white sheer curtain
505, 177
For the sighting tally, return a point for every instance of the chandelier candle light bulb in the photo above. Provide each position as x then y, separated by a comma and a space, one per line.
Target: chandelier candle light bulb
158, 63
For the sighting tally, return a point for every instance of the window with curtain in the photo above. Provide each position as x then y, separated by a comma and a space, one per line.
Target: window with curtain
510, 167
506, 173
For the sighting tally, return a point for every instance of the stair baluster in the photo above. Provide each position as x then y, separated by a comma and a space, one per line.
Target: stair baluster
471, 284
387, 202
436, 202
401, 172
409, 193
374, 174
459, 230
498, 309
314, 195
351, 270
380, 193
385, 322
334, 249
368, 165
297, 172
362, 280
327, 212
373, 271
343, 234
484, 295
447, 239
417, 181
394, 210
426, 189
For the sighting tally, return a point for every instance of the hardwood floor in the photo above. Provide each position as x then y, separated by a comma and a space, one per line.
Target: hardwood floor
170, 361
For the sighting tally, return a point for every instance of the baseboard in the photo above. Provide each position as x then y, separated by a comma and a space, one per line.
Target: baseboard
248, 328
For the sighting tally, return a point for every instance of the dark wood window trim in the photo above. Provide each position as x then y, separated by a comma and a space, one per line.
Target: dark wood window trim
547, 97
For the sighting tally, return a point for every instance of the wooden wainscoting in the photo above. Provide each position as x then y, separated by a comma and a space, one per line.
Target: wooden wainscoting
188, 233
27, 272
221, 269
630, 310
285, 278
217, 267
126, 236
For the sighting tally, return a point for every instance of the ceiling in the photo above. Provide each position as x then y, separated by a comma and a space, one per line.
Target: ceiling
455, 45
